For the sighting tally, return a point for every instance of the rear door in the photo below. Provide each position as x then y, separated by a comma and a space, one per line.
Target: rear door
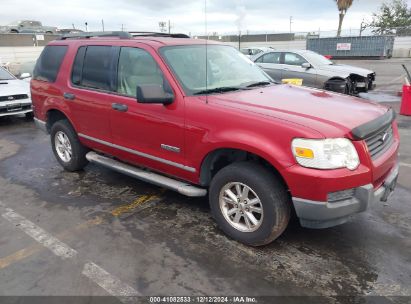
88, 93
271, 64
293, 69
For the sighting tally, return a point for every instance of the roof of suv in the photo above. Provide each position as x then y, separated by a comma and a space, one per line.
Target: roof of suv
117, 38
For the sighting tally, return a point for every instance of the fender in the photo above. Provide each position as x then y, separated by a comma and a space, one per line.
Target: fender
57, 105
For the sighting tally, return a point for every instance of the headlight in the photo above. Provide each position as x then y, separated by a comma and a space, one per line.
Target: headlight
325, 153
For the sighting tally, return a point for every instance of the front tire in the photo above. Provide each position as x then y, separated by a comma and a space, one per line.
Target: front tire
29, 115
249, 203
67, 149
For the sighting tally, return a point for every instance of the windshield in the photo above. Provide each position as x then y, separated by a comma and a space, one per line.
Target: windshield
316, 58
226, 68
4, 75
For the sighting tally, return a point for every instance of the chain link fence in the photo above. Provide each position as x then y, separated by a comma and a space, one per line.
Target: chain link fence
269, 36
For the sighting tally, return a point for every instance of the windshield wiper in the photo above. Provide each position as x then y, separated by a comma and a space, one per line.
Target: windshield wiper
259, 83
218, 90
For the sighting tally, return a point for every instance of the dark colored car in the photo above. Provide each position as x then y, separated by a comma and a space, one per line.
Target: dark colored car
28, 27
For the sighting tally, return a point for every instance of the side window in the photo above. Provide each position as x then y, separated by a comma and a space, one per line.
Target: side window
293, 59
48, 65
260, 59
96, 73
78, 66
136, 67
272, 58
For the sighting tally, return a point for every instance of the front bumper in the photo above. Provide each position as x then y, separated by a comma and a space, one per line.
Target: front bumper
318, 215
15, 108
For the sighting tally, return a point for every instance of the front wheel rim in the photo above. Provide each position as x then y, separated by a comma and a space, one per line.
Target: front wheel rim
63, 146
241, 207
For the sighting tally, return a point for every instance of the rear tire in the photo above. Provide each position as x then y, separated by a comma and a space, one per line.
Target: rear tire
267, 200
67, 149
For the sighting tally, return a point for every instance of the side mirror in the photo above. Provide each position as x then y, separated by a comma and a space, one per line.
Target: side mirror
306, 65
25, 75
153, 93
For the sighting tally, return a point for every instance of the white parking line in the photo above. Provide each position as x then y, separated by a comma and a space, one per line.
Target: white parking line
108, 282
57, 247
111, 284
405, 165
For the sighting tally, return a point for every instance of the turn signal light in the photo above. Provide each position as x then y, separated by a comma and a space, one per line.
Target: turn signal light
304, 152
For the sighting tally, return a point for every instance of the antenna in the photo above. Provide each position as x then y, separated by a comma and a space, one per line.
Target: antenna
206, 49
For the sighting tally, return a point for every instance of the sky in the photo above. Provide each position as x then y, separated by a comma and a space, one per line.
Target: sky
188, 16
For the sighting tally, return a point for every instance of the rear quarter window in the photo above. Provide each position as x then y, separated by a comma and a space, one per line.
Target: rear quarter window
48, 65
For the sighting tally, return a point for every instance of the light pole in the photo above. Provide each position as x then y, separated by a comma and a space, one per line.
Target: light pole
291, 23
163, 26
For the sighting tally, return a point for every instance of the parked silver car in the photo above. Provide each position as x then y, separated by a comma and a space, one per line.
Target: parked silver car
28, 27
315, 70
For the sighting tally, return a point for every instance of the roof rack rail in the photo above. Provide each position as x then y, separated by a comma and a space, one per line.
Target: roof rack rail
87, 35
156, 34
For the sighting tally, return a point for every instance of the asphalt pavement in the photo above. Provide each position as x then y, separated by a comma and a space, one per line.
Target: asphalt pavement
100, 233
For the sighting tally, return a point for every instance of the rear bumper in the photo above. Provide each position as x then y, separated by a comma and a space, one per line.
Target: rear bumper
318, 215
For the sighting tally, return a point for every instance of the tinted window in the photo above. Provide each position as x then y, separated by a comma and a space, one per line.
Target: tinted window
136, 67
78, 66
293, 59
272, 58
97, 68
48, 65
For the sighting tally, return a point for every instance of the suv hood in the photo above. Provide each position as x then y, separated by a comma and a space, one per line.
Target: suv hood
14, 87
331, 114
345, 70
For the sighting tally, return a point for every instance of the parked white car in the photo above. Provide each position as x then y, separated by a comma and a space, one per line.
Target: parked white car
252, 51
14, 94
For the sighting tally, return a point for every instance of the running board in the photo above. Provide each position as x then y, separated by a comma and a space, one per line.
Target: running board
154, 178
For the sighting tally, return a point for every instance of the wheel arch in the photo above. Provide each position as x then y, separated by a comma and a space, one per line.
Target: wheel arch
53, 115
219, 158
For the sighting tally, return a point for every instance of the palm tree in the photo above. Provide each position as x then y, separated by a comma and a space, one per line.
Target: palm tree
343, 6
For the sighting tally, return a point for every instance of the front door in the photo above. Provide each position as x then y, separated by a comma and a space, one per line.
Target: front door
293, 69
150, 135
271, 64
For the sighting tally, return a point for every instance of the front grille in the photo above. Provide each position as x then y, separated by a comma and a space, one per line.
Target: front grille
15, 108
379, 143
340, 195
13, 97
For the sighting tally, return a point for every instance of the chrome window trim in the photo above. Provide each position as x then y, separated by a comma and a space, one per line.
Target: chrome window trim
138, 153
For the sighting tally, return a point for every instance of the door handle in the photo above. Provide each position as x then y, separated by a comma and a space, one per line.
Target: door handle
119, 107
69, 96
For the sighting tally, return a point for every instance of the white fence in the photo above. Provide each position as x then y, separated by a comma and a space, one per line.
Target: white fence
19, 59
402, 47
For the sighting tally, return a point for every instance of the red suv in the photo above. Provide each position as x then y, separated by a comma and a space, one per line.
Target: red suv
197, 116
